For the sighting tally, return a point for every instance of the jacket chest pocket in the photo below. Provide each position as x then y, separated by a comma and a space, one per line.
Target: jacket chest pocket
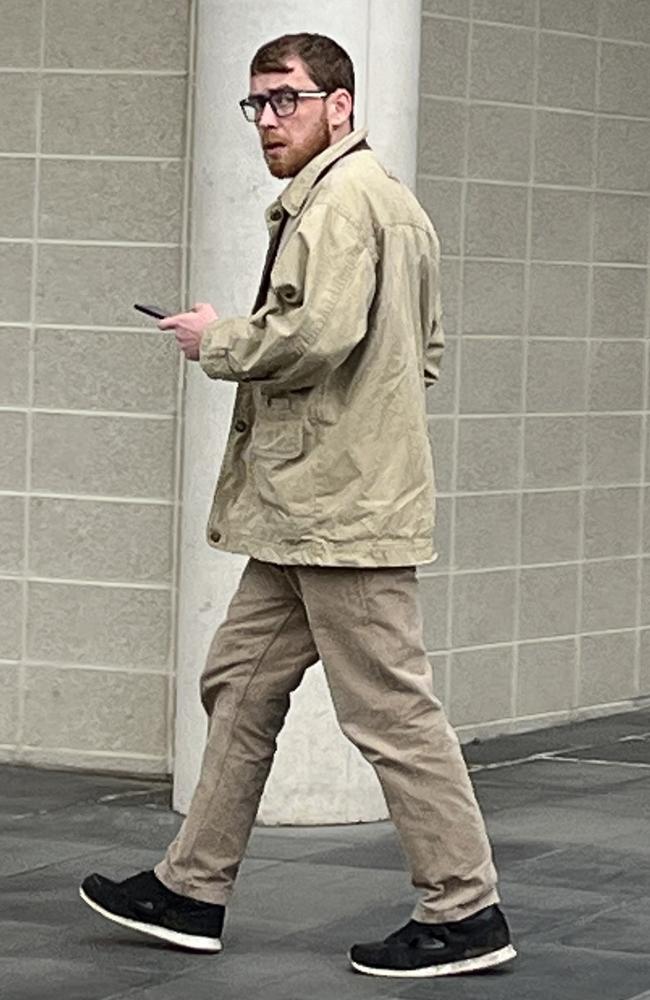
280, 439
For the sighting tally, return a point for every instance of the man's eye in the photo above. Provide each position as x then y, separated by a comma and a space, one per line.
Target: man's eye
283, 100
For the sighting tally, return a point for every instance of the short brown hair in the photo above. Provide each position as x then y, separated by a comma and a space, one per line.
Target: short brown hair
327, 63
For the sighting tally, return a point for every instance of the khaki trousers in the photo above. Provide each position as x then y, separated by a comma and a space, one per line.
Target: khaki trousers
365, 625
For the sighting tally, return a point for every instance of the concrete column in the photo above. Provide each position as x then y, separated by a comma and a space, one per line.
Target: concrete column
317, 776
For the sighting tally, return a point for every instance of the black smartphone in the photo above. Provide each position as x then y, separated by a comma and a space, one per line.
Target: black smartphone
154, 311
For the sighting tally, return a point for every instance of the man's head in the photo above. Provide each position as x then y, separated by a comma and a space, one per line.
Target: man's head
304, 62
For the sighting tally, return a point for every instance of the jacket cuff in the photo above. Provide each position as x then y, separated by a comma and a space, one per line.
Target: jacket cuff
216, 342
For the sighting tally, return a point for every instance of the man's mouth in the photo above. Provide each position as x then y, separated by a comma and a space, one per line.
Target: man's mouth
273, 145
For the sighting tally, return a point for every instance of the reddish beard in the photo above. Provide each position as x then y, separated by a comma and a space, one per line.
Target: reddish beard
294, 158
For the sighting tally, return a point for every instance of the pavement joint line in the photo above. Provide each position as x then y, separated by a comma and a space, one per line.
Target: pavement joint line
544, 755
596, 760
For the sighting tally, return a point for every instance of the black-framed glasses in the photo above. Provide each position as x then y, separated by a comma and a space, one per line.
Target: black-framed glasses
284, 102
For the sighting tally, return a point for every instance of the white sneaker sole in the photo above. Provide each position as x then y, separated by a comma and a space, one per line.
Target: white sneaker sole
190, 941
488, 961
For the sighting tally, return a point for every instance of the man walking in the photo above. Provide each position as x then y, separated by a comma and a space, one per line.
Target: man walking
327, 486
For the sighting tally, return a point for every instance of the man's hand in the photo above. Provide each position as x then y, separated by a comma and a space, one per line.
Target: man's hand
189, 327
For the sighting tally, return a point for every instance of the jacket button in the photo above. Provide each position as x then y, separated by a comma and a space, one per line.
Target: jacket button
276, 215
215, 536
240, 425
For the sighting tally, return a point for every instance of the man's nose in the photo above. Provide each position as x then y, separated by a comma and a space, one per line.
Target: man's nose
268, 116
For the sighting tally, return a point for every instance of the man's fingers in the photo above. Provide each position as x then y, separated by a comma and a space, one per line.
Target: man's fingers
179, 319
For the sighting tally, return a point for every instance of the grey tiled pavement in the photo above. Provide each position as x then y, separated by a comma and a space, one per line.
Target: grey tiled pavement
569, 820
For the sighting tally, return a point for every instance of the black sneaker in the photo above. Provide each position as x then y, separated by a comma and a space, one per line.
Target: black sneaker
418, 950
144, 904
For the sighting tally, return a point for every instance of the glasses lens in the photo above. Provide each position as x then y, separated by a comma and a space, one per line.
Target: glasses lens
283, 103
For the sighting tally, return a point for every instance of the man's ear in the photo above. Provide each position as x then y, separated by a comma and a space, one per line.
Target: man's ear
340, 105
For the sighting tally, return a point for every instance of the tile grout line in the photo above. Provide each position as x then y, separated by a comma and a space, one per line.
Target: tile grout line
584, 460
459, 354
31, 390
613, 115
432, 15
179, 454
532, 149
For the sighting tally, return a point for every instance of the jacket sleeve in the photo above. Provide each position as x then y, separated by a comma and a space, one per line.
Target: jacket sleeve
322, 286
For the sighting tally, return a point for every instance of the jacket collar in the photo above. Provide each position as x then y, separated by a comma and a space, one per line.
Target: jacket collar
295, 194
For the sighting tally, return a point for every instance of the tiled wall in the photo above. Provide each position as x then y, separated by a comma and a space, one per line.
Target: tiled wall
92, 194
534, 163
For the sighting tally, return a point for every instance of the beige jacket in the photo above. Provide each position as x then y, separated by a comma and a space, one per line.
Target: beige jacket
328, 459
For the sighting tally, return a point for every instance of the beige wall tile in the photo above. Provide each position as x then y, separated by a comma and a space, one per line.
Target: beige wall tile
15, 287
566, 72
441, 439
134, 372
14, 365
17, 197
486, 531
502, 64
122, 711
113, 115
499, 142
99, 200
625, 19
550, 526
613, 450
578, 15
493, 298
546, 676
8, 703
616, 376
609, 591
483, 608
491, 376
553, 449
455, 8
98, 285
110, 456
481, 685
556, 376
13, 435
443, 60
621, 229
625, 79
152, 34
619, 302
509, 11
559, 300
607, 668
560, 225
450, 285
441, 137
100, 541
20, 38
495, 221
11, 619
441, 201
623, 155
488, 454
548, 601
644, 679
442, 535
434, 599
99, 626
612, 522
645, 588
18, 112
564, 148
12, 542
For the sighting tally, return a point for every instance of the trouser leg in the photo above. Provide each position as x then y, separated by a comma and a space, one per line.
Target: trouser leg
257, 657
367, 627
